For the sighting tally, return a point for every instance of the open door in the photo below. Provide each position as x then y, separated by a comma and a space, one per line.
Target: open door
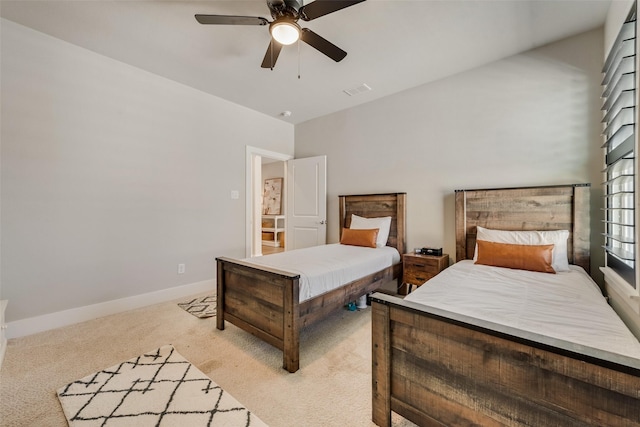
306, 210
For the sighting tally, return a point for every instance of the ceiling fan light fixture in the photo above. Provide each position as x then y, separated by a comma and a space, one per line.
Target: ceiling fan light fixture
284, 31
284, 28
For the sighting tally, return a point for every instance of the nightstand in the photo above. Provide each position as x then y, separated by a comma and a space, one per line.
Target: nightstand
417, 269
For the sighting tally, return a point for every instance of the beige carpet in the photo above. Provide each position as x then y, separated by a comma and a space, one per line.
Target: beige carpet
332, 387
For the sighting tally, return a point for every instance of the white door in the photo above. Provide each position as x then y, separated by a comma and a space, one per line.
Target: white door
306, 202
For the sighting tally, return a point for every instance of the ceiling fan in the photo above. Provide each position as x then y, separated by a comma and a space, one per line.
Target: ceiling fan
284, 28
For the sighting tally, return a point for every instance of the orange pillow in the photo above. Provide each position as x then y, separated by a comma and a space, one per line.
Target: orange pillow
366, 237
522, 257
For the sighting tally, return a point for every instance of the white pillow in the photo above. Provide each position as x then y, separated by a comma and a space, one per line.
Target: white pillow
559, 262
383, 224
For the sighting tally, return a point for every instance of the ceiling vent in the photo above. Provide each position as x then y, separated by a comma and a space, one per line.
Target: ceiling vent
357, 90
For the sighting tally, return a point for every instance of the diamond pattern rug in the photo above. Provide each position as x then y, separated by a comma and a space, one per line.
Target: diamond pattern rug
201, 306
159, 388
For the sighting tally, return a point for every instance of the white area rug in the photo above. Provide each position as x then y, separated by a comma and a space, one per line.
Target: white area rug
160, 388
201, 306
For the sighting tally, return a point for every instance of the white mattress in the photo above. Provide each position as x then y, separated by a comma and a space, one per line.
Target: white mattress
567, 306
326, 267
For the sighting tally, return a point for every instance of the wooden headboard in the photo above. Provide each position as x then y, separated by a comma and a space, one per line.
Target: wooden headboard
561, 207
377, 205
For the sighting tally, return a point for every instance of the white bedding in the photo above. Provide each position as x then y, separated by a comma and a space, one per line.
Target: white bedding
326, 267
567, 306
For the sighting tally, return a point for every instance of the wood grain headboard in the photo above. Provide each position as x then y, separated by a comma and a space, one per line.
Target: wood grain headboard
561, 207
377, 205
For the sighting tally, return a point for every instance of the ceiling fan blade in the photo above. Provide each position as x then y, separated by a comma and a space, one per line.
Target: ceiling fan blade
323, 7
271, 56
322, 44
231, 20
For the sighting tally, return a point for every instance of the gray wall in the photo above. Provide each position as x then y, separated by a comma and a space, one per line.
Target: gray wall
530, 119
111, 176
275, 170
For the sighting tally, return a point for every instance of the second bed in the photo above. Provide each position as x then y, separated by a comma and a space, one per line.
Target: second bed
487, 345
274, 296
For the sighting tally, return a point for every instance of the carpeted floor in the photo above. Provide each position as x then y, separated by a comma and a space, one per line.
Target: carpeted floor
332, 387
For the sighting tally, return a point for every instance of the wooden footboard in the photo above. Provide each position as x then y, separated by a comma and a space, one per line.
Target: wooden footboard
440, 369
265, 302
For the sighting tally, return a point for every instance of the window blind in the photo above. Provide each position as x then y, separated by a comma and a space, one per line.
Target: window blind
619, 121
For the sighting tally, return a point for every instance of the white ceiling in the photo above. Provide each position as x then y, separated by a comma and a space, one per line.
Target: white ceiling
392, 45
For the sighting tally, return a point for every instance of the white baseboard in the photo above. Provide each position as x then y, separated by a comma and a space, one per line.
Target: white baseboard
3, 327
3, 349
32, 325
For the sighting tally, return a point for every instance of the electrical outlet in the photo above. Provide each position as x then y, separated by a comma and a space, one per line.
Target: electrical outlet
181, 268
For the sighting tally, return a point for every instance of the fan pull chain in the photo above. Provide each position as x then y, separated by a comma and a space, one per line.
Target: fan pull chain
298, 59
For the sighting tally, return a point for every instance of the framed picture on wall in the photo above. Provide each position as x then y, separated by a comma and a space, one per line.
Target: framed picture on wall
272, 197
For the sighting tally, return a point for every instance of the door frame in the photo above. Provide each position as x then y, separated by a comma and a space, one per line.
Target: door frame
253, 183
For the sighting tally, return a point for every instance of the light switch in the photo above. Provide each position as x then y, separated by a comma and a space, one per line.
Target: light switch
235, 194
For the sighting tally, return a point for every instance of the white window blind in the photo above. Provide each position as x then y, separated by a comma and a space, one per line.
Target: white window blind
620, 145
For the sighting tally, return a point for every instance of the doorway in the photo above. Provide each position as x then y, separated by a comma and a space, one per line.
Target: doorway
257, 158
273, 206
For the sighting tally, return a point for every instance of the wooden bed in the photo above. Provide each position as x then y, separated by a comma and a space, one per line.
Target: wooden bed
265, 302
437, 368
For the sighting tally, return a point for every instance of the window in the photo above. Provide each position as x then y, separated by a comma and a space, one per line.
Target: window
620, 146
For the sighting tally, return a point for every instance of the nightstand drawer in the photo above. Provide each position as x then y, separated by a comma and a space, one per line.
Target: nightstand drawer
418, 268
417, 277
421, 264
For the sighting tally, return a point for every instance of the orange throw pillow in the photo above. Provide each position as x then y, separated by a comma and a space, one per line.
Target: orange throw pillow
354, 237
521, 257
